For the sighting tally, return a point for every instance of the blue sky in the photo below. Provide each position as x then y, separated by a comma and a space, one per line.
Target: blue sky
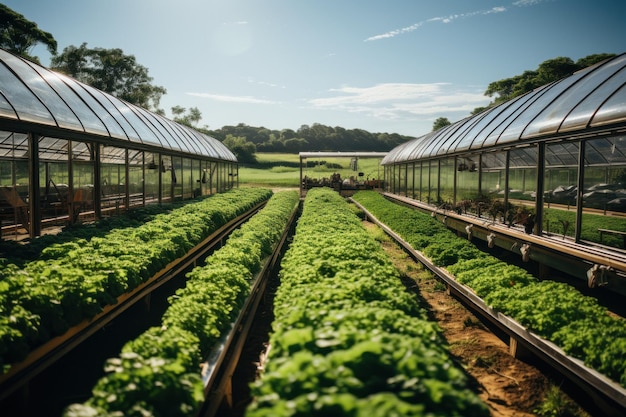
384, 66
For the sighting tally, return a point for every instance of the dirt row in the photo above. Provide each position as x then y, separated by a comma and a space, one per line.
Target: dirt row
509, 386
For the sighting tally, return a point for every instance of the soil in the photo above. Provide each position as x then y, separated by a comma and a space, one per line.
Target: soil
510, 387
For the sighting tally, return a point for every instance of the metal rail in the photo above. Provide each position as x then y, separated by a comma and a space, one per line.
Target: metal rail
45, 355
607, 395
222, 362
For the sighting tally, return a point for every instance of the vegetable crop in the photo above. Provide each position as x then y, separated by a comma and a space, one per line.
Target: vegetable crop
553, 310
158, 373
348, 339
75, 280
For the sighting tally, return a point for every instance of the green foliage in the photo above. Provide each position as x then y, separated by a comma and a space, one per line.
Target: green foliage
548, 71
556, 404
74, 281
19, 35
577, 323
348, 339
243, 149
317, 137
441, 122
158, 373
111, 71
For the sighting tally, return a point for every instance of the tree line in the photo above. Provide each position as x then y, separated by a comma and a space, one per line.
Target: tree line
315, 137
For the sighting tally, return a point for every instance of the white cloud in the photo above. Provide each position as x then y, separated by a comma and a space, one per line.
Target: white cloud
521, 3
444, 19
251, 80
395, 101
232, 99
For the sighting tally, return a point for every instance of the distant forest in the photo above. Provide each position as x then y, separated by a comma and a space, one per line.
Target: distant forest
316, 137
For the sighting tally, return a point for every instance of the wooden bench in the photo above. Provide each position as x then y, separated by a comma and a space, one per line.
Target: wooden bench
612, 232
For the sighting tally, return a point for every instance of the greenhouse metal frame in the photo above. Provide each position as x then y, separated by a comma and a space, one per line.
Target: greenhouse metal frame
546, 150
84, 154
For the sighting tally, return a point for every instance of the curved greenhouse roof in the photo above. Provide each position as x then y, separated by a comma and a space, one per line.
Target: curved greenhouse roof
592, 100
36, 99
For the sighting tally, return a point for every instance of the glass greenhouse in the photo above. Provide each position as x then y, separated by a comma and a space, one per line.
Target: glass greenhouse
69, 152
551, 163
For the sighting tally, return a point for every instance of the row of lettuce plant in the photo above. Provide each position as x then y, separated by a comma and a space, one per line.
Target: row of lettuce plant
159, 372
348, 339
75, 280
21, 252
553, 310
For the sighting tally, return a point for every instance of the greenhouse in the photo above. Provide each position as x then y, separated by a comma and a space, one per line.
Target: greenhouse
71, 153
550, 163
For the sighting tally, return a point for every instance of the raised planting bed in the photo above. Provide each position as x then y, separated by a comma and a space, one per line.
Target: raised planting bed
554, 311
348, 338
75, 281
160, 372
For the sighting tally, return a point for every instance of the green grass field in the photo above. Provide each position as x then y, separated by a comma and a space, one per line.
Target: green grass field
283, 169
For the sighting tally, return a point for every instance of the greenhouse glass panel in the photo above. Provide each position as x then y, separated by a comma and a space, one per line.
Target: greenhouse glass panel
111, 124
136, 179
54, 177
5, 108
82, 151
166, 178
410, 180
433, 182
424, 147
194, 138
154, 122
186, 139
153, 168
207, 146
112, 155
560, 188
550, 118
581, 116
63, 115
13, 145
196, 175
448, 133
605, 151
89, 122
465, 141
174, 138
53, 149
562, 154
26, 104
613, 110
112, 180
513, 109
129, 132
143, 132
6, 173
514, 131
187, 179
523, 174
446, 181
604, 192
493, 175
467, 186
82, 201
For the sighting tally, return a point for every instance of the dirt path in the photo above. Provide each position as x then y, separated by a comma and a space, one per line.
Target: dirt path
510, 387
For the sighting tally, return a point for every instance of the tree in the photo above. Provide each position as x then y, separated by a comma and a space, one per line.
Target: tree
191, 118
112, 71
19, 35
441, 122
243, 150
548, 71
